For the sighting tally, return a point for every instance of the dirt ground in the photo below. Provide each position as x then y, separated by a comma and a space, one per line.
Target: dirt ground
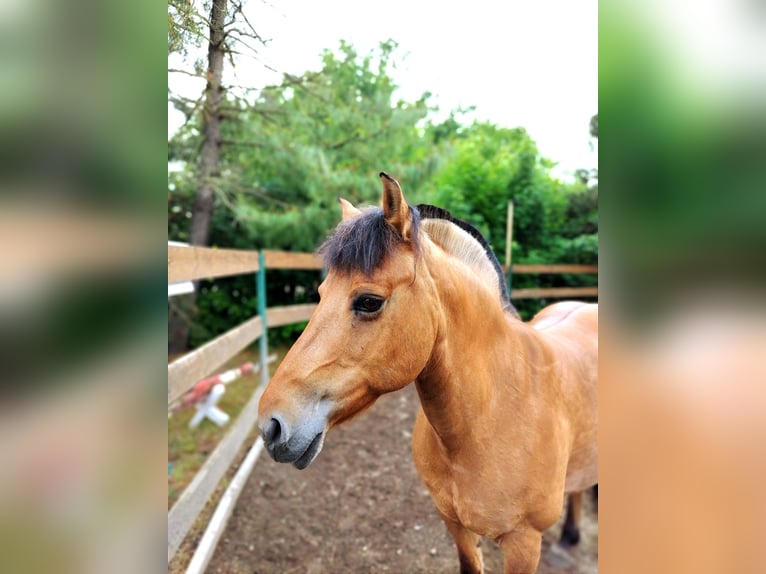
361, 508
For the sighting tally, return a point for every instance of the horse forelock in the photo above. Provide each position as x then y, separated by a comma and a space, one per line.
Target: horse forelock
362, 243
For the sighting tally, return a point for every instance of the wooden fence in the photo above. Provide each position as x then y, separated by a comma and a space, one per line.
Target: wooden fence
551, 292
190, 263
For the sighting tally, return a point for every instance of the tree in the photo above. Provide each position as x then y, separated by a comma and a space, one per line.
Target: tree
490, 166
202, 210
554, 222
184, 27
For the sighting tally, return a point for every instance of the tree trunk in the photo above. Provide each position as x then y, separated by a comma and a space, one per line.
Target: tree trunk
202, 211
183, 309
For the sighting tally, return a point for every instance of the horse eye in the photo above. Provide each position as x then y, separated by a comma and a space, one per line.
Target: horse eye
368, 304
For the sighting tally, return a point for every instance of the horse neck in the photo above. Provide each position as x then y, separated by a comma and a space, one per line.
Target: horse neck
477, 348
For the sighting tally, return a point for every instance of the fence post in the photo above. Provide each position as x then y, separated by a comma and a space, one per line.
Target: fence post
264, 343
508, 244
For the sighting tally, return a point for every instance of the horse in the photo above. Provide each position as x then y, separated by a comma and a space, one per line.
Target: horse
508, 419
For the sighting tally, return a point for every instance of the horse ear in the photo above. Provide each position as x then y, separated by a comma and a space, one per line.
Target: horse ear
347, 209
395, 209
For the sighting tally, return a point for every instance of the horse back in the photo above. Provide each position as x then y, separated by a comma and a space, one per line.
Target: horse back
570, 324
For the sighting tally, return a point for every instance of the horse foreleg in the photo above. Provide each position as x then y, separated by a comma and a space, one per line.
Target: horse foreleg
521, 550
468, 550
570, 533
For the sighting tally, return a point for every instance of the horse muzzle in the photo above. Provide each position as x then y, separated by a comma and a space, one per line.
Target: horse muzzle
297, 443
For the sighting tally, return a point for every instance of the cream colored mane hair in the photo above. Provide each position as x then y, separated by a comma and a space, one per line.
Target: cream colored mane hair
462, 245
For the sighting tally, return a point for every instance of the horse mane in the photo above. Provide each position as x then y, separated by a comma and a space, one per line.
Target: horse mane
464, 241
362, 243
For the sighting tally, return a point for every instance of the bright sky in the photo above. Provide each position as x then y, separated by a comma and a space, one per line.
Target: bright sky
531, 63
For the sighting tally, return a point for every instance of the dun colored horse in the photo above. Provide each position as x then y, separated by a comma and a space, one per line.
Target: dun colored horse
508, 423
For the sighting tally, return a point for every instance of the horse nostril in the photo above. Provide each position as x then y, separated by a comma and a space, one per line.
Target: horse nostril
272, 432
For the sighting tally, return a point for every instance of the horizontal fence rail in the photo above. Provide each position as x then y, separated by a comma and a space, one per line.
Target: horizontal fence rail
554, 292
220, 518
189, 263
290, 260
193, 499
551, 292
183, 373
186, 371
554, 269
277, 316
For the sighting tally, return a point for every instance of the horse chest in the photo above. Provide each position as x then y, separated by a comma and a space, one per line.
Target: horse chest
490, 501
461, 495
488, 516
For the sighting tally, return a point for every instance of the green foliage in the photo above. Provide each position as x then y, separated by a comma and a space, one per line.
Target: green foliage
184, 26
554, 222
493, 165
291, 150
300, 145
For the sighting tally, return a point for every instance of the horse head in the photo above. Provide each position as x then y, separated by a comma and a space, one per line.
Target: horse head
372, 331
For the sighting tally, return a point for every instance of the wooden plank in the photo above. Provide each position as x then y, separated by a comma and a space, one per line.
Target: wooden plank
290, 260
192, 367
183, 373
187, 263
193, 499
564, 268
555, 292
217, 524
276, 316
